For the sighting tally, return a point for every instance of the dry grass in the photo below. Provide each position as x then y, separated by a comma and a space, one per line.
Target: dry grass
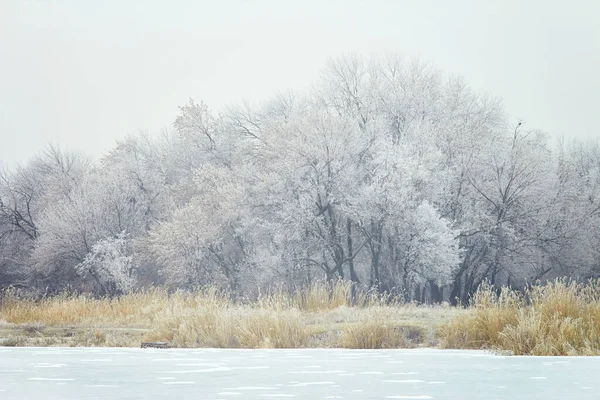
320, 316
235, 327
317, 317
382, 328
486, 317
136, 310
559, 318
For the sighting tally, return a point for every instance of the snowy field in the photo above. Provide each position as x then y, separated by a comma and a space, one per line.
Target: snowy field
107, 373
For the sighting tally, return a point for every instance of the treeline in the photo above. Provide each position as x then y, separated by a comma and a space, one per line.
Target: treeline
388, 174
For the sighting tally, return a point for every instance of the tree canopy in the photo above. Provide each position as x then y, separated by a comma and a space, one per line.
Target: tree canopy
388, 173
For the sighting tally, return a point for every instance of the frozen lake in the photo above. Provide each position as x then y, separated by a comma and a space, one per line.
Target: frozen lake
204, 374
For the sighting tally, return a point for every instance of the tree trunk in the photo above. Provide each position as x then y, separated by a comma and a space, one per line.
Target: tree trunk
436, 294
353, 274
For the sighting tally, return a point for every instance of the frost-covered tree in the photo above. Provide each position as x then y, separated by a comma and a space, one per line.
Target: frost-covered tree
429, 252
202, 244
388, 173
111, 265
122, 194
574, 229
25, 194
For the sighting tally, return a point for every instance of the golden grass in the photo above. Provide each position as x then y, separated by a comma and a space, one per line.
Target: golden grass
235, 327
320, 296
320, 316
381, 328
127, 311
559, 318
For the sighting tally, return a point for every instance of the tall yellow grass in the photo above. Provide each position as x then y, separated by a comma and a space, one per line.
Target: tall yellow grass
135, 310
321, 315
559, 318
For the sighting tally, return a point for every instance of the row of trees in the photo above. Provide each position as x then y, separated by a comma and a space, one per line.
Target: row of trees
388, 174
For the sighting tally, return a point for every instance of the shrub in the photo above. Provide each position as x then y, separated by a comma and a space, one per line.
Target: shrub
559, 318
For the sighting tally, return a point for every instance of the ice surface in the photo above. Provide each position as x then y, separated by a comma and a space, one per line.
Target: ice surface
253, 388
418, 374
409, 397
46, 365
313, 383
51, 379
318, 372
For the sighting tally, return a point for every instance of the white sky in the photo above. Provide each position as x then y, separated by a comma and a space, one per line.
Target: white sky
82, 74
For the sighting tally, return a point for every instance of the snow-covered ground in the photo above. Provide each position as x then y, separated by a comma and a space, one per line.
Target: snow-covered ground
204, 374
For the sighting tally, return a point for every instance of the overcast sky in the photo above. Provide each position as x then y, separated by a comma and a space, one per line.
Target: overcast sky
82, 74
